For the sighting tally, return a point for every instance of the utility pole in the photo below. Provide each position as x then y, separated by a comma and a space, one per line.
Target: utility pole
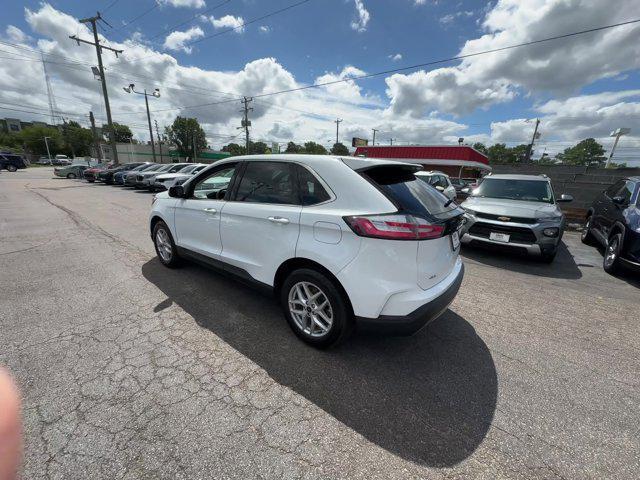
95, 137
96, 43
159, 141
193, 143
338, 121
156, 94
374, 135
391, 141
533, 139
47, 144
245, 121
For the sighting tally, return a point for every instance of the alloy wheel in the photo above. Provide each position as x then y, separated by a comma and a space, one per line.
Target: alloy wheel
163, 243
310, 309
612, 251
586, 228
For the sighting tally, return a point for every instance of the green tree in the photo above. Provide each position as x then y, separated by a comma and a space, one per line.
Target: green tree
33, 140
520, 153
183, 133
123, 132
234, 149
499, 153
339, 149
77, 140
586, 152
258, 148
314, 148
10, 142
481, 147
294, 148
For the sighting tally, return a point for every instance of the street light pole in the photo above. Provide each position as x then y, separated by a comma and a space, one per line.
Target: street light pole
47, 144
616, 133
156, 93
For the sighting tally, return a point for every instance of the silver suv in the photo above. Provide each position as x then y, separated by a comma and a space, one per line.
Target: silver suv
516, 211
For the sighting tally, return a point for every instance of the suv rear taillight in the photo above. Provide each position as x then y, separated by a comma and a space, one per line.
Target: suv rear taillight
394, 227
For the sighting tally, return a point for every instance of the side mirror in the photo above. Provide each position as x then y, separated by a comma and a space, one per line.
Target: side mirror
618, 200
439, 188
176, 191
565, 198
465, 190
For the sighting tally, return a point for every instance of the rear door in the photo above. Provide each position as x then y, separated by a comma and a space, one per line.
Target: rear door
197, 218
261, 222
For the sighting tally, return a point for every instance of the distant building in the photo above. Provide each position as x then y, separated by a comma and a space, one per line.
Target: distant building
455, 160
15, 125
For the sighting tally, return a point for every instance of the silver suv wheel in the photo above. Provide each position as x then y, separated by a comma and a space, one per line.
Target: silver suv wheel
164, 244
310, 309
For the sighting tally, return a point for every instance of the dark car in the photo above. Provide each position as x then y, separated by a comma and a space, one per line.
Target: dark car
11, 161
614, 221
106, 176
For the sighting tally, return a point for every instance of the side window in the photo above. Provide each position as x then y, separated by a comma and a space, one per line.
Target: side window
311, 190
614, 189
267, 182
217, 181
627, 191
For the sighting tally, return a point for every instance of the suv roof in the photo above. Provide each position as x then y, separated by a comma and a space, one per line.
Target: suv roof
355, 163
514, 176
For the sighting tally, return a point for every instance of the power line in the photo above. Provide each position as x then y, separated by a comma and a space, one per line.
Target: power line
419, 65
108, 7
178, 25
149, 10
232, 29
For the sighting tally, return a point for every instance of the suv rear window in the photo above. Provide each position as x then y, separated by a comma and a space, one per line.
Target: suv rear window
409, 193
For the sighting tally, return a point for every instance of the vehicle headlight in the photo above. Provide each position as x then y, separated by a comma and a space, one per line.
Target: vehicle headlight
551, 232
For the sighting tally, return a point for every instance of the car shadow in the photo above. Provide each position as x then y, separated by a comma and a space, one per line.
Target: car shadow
564, 265
429, 398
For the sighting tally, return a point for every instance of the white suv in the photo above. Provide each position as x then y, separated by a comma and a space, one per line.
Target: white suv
440, 181
340, 240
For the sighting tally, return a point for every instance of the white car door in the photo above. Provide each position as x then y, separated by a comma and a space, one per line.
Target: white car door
197, 217
261, 221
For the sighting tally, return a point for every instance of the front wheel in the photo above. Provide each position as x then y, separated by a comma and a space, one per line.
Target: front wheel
316, 310
611, 261
586, 236
12, 168
71, 175
165, 246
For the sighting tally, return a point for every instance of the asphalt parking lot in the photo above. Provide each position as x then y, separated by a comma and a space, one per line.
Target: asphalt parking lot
130, 370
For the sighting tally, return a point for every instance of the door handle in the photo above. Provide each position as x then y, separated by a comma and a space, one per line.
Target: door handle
210, 210
280, 220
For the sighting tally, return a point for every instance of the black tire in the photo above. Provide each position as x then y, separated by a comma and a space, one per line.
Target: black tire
586, 236
71, 175
168, 259
12, 168
611, 264
90, 180
342, 321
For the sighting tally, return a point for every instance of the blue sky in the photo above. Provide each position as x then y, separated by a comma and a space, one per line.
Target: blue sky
586, 86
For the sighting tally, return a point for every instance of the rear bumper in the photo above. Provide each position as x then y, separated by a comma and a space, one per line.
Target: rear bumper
416, 320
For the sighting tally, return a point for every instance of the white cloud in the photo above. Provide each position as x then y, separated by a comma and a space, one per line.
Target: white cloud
360, 24
396, 58
450, 17
16, 35
228, 21
185, 3
264, 29
177, 40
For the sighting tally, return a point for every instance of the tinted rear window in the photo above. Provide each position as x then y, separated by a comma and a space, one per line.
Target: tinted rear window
409, 193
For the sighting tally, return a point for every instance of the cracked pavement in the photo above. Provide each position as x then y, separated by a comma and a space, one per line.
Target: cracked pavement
131, 371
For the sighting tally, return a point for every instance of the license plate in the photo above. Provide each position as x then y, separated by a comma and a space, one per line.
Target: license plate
499, 237
455, 240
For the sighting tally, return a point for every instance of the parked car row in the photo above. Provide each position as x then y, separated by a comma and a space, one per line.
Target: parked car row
150, 176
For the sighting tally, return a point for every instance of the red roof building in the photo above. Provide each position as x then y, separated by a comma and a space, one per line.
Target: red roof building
454, 160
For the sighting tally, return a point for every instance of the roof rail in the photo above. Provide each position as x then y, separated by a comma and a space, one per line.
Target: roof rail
544, 175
